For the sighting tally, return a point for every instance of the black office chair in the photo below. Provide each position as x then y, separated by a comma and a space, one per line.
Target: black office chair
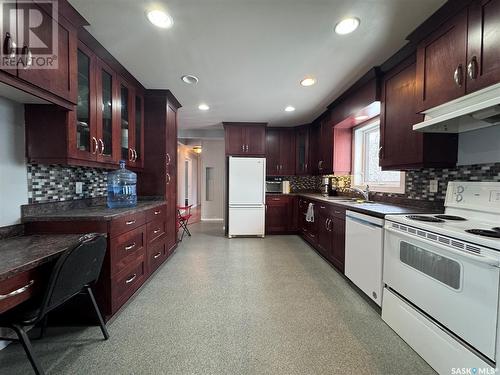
73, 273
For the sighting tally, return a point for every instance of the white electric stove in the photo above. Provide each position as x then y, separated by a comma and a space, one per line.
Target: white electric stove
442, 278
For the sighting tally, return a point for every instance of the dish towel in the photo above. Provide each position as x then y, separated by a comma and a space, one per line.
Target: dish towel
310, 213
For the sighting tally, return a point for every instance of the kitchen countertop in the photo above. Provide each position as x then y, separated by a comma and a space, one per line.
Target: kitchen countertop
93, 213
377, 209
19, 254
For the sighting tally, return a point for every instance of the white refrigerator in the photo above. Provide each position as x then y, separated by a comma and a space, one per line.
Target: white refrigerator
247, 196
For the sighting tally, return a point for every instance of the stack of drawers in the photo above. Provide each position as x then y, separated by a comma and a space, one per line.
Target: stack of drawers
137, 248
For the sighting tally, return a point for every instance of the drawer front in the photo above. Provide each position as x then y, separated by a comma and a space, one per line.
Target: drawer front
125, 283
276, 199
124, 248
156, 230
126, 223
20, 288
338, 212
157, 254
156, 213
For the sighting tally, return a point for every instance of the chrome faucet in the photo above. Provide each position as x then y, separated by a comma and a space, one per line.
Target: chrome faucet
365, 193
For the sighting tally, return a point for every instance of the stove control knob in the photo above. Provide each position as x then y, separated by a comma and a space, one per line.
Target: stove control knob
459, 198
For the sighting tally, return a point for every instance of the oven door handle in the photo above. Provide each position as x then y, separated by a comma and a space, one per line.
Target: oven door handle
475, 257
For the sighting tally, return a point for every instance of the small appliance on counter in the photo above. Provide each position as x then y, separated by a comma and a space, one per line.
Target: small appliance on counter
274, 185
122, 185
325, 186
286, 187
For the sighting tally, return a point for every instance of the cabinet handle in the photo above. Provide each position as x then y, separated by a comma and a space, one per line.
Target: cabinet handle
130, 154
276, 199
134, 152
326, 224
380, 152
96, 146
168, 159
322, 207
130, 222
305, 167
17, 291
246, 147
158, 212
243, 148
157, 255
168, 178
458, 75
102, 147
129, 280
27, 57
9, 46
156, 231
320, 165
130, 247
472, 68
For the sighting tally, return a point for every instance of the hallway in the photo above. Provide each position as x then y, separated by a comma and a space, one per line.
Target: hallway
240, 306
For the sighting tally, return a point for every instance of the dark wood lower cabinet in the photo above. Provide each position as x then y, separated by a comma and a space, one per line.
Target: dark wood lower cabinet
327, 233
137, 246
280, 214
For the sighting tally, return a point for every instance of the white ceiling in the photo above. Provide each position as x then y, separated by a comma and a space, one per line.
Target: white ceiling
251, 54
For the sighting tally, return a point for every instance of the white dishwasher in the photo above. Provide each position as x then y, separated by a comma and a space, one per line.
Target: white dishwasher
364, 253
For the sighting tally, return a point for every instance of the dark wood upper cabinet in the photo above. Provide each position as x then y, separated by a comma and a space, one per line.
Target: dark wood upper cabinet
325, 160
441, 64
483, 54
302, 162
107, 115
280, 152
461, 57
245, 139
401, 147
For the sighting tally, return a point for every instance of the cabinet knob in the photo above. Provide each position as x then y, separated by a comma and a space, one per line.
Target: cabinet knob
472, 68
458, 75
27, 57
9, 46
102, 147
95, 144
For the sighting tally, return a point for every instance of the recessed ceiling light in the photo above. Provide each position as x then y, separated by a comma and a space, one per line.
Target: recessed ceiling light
347, 25
308, 81
160, 18
203, 107
190, 79
289, 109
361, 118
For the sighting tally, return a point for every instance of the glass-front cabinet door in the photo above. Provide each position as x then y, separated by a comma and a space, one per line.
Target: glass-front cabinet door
82, 120
139, 131
126, 124
107, 134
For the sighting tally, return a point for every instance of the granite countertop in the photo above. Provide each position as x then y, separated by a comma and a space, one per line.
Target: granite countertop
377, 209
18, 254
92, 213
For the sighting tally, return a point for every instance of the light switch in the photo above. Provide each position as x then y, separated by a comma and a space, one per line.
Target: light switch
433, 186
79, 187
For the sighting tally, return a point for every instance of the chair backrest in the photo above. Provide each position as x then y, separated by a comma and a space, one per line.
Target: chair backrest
77, 267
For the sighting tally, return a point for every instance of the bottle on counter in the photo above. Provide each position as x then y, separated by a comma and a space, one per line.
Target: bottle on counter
122, 185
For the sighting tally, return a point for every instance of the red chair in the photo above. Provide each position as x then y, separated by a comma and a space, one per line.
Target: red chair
183, 216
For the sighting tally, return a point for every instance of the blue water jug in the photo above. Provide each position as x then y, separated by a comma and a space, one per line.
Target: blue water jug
122, 185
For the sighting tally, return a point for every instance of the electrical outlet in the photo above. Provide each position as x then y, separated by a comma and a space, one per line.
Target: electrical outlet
79, 187
433, 186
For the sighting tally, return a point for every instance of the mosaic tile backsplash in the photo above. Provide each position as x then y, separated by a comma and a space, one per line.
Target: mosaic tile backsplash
55, 183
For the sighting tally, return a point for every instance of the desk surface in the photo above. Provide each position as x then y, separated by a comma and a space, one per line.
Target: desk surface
18, 254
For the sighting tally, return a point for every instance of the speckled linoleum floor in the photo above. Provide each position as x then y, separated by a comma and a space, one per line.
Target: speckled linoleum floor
240, 306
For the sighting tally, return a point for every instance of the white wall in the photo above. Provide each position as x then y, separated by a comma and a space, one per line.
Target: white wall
479, 146
13, 173
213, 155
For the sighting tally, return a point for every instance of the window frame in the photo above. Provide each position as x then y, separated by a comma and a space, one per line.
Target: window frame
360, 162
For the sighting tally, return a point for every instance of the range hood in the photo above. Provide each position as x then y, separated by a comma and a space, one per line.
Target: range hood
470, 112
